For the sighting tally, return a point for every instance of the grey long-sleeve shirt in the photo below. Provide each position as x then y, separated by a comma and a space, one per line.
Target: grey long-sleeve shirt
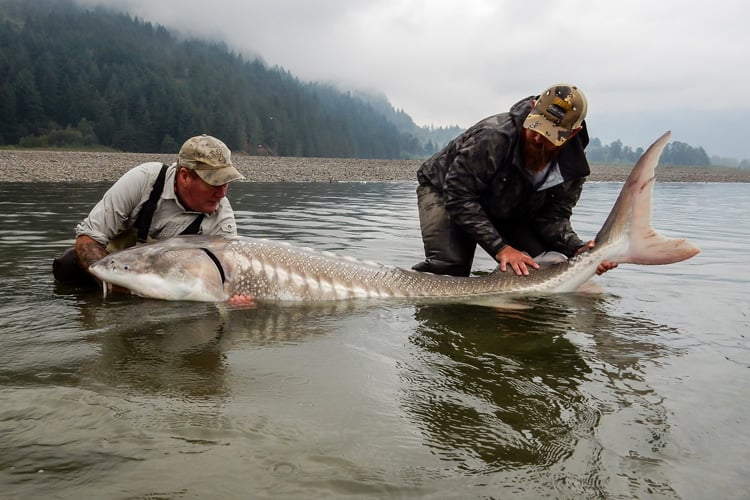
116, 212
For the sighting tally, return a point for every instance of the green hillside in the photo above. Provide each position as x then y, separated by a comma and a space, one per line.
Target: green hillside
84, 78
91, 78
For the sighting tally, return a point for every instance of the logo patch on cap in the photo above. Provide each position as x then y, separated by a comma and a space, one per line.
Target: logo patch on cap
558, 111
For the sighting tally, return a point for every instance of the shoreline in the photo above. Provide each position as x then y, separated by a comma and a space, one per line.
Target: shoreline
70, 166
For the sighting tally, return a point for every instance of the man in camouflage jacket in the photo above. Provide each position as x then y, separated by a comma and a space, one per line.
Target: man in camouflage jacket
509, 184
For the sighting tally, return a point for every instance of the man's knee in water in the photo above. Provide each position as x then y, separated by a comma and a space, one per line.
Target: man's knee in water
438, 267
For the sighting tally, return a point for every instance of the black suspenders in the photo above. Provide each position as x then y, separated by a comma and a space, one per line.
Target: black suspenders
194, 226
143, 220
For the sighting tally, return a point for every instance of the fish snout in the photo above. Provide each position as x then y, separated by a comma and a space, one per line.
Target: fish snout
111, 264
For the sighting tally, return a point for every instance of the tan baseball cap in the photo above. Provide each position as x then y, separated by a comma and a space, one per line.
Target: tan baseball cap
559, 111
210, 158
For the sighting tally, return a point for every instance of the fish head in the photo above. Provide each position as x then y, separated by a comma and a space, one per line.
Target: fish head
164, 270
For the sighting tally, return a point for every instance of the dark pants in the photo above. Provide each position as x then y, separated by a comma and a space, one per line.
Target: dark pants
448, 249
68, 270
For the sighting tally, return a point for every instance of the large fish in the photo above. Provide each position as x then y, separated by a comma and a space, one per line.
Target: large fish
205, 268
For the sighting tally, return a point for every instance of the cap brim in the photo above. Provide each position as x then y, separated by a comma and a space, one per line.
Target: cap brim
221, 176
541, 125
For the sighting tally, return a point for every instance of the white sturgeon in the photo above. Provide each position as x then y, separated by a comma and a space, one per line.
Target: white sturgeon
205, 268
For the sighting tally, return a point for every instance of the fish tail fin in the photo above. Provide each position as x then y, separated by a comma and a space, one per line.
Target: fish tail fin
653, 248
630, 218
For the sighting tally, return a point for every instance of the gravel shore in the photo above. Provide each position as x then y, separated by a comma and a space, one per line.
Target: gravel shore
67, 166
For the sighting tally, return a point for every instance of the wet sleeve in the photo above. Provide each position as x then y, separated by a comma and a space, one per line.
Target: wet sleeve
466, 182
115, 212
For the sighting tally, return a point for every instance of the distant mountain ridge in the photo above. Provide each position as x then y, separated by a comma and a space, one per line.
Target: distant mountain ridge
92, 77
88, 78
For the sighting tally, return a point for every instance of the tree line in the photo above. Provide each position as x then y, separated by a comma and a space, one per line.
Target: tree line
675, 153
77, 77
86, 78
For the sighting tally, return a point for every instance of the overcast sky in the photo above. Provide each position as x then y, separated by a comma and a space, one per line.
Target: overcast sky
646, 66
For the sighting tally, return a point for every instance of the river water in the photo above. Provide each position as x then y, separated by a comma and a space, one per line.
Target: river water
639, 389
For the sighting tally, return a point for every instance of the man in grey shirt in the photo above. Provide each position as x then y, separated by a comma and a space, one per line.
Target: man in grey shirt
156, 202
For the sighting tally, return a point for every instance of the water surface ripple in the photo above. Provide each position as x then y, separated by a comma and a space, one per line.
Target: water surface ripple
636, 391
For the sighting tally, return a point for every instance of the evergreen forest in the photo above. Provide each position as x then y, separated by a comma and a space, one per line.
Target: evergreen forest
72, 77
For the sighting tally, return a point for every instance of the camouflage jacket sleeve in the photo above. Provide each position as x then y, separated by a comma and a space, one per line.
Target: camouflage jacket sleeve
553, 223
467, 180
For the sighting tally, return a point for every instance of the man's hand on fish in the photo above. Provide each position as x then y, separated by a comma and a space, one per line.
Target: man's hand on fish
604, 266
517, 260
521, 261
240, 300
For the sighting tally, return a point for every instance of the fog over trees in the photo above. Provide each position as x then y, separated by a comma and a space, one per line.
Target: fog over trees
90, 78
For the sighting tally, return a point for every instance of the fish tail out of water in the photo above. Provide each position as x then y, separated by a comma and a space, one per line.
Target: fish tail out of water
653, 248
630, 219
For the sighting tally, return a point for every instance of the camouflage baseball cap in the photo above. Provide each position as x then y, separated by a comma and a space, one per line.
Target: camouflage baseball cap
210, 158
558, 111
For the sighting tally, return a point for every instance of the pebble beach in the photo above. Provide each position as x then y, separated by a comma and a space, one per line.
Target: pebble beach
70, 166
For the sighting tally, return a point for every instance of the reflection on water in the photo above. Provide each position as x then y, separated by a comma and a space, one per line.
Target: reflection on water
499, 388
635, 391
496, 391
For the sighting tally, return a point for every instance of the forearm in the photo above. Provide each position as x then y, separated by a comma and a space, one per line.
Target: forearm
89, 250
480, 228
463, 193
469, 215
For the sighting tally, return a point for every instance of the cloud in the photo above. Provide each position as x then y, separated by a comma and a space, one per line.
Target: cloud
645, 66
